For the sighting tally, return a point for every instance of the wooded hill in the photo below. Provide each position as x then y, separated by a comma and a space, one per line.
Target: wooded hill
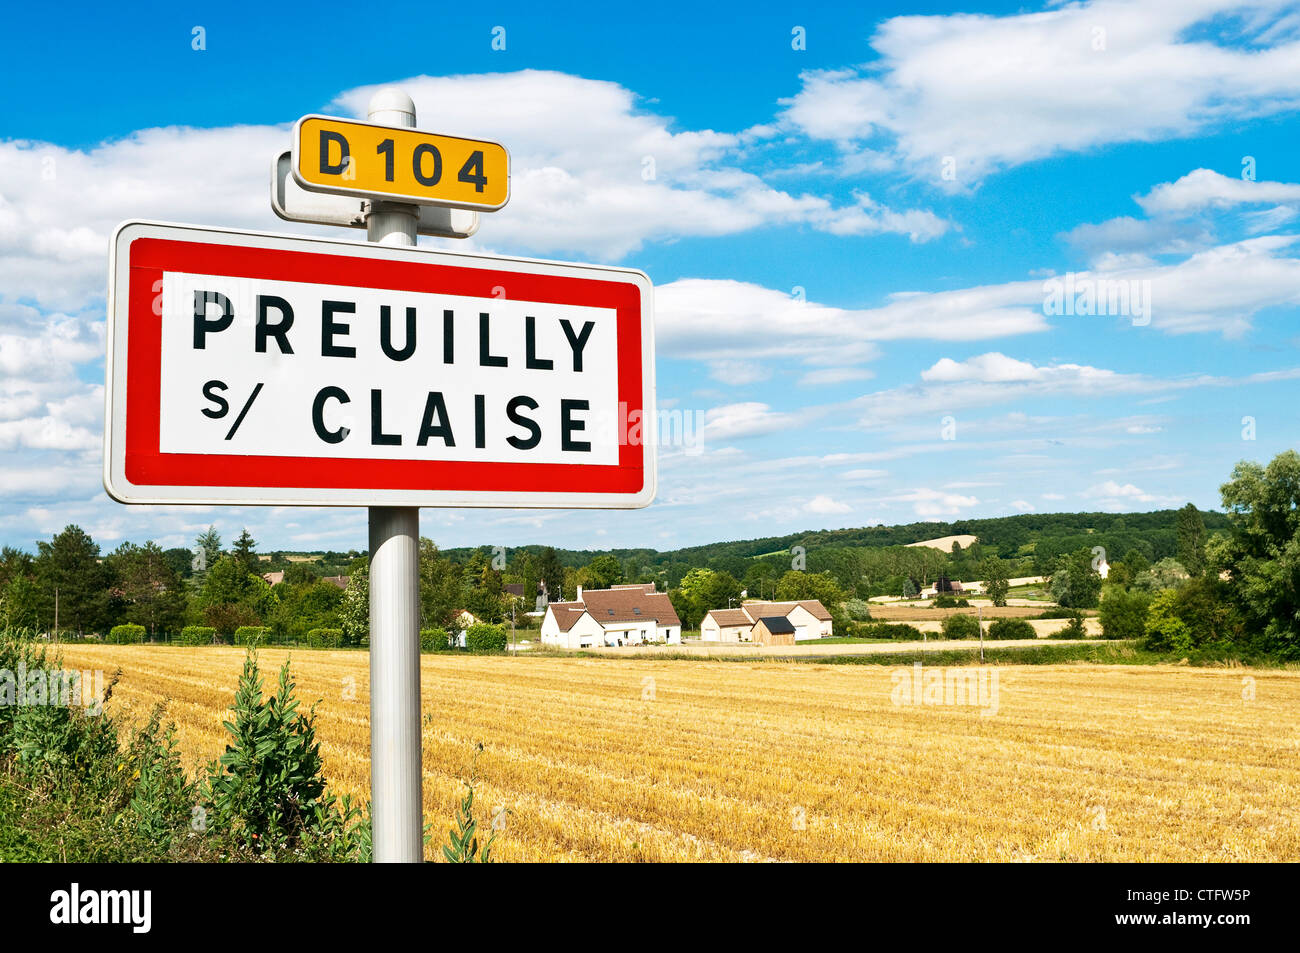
1039, 536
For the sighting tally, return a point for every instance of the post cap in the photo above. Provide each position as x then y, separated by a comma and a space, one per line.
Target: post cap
393, 106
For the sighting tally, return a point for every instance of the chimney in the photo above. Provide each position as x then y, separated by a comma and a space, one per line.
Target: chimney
579, 594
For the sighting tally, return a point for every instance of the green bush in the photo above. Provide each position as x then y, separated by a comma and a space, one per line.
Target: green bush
1011, 629
1196, 616
267, 794
1073, 629
196, 635
434, 640
945, 601
1059, 612
858, 610
1124, 613
961, 627
252, 635
485, 637
324, 638
894, 631
126, 634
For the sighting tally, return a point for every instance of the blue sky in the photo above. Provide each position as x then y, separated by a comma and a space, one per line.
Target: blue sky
851, 243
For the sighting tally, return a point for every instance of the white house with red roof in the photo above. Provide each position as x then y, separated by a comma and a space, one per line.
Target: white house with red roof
808, 617
620, 615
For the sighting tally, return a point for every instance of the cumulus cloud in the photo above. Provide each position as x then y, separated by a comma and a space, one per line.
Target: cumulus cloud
1203, 189
824, 505
595, 174
1068, 79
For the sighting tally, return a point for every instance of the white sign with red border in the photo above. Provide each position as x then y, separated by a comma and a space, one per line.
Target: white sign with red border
254, 368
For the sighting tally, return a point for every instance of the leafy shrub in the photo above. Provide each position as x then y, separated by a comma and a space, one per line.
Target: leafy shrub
950, 602
961, 627
1074, 628
266, 794
126, 634
1011, 629
196, 635
252, 635
1057, 612
894, 631
1196, 615
434, 640
324, 638
485, 637
1123, 613
858, 610
462, 845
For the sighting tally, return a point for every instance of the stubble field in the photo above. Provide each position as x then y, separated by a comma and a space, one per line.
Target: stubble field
634, 759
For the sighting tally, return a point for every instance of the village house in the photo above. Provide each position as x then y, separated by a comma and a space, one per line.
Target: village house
621, 615
808, 619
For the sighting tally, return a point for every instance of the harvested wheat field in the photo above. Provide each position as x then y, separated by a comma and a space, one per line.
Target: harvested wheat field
683, 760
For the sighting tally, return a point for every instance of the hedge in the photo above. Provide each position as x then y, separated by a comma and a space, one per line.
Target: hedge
961, 627
1011, 629
252, 635
126, 634
894, 631
434, 640
484, 637
196, 635
324, 638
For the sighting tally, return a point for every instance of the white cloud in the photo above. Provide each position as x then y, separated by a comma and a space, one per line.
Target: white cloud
1203, 189
594, 174
1067, 79
744, 420
930, 504
705, 319
824, 505
1024, 506
738, 373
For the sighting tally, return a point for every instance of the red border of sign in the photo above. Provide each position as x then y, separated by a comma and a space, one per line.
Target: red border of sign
146, 465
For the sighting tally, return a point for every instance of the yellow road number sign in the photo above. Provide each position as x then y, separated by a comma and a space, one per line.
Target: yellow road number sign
347, 157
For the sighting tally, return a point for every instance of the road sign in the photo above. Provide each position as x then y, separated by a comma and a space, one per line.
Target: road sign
254, 368
347, 157
293, 203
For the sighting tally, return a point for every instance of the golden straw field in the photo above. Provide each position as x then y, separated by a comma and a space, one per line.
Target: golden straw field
663, 760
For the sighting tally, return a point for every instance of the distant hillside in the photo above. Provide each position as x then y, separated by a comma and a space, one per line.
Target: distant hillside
1042, 535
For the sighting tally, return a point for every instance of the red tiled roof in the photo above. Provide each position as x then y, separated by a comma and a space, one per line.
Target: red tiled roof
620, 604
567, 613
757, 609
731, 617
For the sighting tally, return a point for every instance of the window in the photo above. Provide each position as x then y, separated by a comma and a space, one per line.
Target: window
636, 610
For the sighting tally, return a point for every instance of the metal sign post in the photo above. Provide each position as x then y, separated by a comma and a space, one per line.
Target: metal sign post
396, 789
277, 370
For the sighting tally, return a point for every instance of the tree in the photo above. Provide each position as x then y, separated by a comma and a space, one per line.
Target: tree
1262, 555
796, 586
68, 567
1191, 539
1169, 573
354, 612
1198, 615
551, 572
1075, 583
603, 572
245, 551
207, 549
996, 585
440, 587
232, 596
152, 592
1123, 613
